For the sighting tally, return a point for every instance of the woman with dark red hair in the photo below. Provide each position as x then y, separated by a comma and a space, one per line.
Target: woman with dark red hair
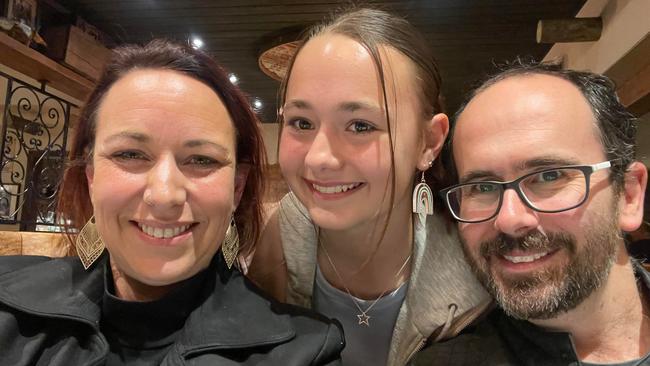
163, 192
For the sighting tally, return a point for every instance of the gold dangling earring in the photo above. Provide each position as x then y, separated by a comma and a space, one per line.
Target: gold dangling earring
423, 197
89, 244
230, 246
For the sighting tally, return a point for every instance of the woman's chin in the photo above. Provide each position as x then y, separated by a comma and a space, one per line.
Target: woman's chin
162, 272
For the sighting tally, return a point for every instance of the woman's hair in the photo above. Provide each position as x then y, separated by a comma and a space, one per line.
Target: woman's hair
373, 28
74, 201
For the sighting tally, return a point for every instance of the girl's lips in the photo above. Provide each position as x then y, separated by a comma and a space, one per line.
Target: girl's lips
333, 190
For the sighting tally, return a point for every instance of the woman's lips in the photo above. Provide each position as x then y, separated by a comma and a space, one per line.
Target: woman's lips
164, 231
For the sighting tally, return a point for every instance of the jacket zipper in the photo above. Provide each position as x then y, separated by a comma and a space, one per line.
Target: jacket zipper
464, 321
417, 349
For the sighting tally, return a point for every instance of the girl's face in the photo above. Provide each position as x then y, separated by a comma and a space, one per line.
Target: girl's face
163, 181
335, 144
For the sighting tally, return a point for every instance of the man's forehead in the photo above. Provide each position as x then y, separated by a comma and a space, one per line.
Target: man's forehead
524, 117
527, 96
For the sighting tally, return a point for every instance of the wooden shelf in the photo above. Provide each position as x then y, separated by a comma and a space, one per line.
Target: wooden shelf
38, 66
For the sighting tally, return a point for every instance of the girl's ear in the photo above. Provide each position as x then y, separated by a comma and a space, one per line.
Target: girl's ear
435, 133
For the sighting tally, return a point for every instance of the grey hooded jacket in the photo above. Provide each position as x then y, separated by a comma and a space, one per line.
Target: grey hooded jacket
443, 295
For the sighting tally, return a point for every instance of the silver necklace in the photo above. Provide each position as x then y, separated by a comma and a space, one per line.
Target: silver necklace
363, 317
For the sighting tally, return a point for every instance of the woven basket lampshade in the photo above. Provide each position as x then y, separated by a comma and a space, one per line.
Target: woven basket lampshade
275, 61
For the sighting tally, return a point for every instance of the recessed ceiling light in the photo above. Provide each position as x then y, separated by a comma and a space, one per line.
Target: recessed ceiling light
257, 103
233, 78
197, 42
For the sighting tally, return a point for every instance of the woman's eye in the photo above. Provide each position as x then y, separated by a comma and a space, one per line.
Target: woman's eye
128, 155
361, 127
202, 161
301, 124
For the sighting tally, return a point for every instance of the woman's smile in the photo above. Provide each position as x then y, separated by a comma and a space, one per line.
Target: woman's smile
166, 231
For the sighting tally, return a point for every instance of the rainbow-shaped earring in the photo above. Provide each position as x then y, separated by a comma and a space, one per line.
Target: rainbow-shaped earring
422, 198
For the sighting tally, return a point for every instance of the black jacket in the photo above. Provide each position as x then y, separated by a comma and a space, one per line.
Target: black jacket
50, 312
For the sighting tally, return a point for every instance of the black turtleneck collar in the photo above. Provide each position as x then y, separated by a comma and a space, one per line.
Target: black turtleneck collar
140, 333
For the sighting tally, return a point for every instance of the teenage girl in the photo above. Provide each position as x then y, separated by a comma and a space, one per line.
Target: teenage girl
361, 127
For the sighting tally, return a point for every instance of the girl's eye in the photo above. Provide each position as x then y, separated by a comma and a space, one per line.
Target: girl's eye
361, 127
300, 124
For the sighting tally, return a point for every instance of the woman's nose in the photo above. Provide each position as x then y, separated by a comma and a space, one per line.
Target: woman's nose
165, 185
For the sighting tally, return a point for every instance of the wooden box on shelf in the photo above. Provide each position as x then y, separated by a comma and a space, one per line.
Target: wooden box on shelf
76, 49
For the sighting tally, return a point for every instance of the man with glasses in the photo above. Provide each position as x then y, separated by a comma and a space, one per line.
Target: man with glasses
546, 186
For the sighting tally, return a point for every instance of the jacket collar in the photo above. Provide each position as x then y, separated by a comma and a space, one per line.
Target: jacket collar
441, 285
230, 307
58, 288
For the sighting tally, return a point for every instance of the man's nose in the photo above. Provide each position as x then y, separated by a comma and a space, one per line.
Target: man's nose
515, 218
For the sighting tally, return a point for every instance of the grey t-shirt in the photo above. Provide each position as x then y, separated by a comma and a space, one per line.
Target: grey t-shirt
636, 362
364, 345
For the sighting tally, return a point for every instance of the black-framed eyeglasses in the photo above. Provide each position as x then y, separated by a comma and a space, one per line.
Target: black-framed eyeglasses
549, 190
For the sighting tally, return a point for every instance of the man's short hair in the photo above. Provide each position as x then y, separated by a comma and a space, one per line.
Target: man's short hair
616, 126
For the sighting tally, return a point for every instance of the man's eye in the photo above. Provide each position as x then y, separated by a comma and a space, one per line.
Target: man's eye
361, 127
300, 124
549, 176
484, 188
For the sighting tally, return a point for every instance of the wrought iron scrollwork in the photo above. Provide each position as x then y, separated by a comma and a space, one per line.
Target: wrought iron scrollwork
34, 136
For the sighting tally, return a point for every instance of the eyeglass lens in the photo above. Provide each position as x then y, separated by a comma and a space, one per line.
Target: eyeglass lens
552, 190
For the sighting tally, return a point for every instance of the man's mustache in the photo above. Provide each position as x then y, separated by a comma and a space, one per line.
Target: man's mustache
534, 240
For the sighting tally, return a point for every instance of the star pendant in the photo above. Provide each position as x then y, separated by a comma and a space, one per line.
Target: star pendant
364, 319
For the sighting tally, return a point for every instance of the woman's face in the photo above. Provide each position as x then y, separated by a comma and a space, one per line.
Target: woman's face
163, 181
335, 145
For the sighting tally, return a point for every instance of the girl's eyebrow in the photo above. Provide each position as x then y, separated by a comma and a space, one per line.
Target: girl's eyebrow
355, 106
297, 103
351, 106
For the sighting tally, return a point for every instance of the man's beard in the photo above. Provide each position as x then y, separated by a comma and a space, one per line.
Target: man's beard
556, 289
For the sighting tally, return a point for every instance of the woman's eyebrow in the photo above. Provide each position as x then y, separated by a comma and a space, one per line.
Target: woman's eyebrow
202, 142
137, 136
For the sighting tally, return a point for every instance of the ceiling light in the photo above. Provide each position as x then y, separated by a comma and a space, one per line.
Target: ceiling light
197, 42
257, 104
233, 78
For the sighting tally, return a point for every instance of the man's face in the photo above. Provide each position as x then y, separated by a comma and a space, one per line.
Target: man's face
536, 265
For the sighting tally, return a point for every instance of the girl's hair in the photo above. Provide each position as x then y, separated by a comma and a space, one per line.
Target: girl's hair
373, 28
74, 201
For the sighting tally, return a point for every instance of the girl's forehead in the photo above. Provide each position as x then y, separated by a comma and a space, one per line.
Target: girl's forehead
332, 56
